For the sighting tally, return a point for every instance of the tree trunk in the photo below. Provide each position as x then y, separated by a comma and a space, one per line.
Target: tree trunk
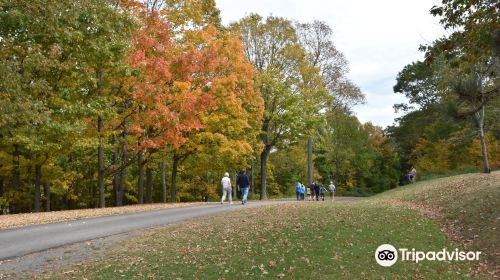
123, 169
15, 168
309, 161
149, 185
173, 185
234, 187
252, 179
263, 171
1, 186
140, 179
38, 178
116, 177
46, 193
100, 163
164, 178
484, 151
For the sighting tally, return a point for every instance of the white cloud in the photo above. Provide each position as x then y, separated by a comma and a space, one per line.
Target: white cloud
378, 38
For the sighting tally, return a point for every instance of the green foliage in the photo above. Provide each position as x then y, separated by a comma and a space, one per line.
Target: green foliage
456, 84
4, 206
356, 157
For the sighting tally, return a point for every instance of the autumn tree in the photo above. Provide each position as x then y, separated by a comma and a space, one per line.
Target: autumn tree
228, 131
283, 74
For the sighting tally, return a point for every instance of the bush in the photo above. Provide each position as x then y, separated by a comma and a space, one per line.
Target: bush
19, 201
4, 206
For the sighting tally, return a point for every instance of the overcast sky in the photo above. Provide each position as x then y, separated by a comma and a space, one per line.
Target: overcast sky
378, 38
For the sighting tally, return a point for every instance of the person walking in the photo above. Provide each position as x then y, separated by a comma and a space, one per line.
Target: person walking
298, 188
226, 189
316, 190
332, 189
243, 183
322, 192
302, 191
309, 193
412, 176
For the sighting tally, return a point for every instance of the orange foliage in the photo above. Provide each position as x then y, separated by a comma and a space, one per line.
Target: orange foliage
171, 88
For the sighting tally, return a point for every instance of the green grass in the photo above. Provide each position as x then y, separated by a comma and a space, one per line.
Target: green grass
468, 205
311, 240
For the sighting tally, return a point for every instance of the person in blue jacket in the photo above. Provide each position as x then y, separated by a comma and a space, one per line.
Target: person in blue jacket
298, 188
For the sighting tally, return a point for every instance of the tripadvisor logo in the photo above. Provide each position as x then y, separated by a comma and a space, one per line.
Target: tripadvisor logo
387, 255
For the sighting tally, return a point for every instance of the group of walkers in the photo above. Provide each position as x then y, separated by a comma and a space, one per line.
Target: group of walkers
242, 185
315, 191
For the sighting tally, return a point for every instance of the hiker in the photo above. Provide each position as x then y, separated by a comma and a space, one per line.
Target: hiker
302, 191
243, 183
412, 176
316, 190
311, 191
322, 192
332, 189
226, 189
298, 188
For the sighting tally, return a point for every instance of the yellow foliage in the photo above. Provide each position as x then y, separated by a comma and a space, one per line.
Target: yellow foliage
493, 150
432, 157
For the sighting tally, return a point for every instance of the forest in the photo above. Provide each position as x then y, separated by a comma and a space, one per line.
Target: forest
118, 102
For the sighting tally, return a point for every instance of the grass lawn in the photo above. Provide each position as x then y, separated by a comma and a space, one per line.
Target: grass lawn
316, 240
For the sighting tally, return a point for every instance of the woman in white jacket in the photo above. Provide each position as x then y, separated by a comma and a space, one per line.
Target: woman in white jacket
226, 189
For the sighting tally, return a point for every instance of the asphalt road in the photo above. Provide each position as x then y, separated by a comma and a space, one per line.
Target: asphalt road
18, 242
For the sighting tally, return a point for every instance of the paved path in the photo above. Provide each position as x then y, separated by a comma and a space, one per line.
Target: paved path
22, 241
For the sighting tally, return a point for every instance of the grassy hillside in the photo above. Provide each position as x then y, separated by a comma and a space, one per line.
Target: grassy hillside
319, 240
467, 207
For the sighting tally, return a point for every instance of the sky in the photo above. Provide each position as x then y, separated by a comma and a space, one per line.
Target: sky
378, 39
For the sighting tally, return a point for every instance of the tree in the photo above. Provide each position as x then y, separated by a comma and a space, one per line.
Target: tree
460, 70
419, 83
357, 157
51, 58
316, 38
272, 46
228, 130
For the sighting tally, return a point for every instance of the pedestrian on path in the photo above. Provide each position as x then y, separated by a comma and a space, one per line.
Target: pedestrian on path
316, 190
298, 188
332, 189
302, 191
310, 191
322, 192
243, 183
226, 189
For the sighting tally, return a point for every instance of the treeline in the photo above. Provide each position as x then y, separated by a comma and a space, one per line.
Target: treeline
357, 157
451, 122
124, 102
105, 102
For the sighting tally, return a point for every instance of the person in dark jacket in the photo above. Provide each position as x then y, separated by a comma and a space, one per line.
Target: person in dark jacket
316, 190
313, 193
243, 183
